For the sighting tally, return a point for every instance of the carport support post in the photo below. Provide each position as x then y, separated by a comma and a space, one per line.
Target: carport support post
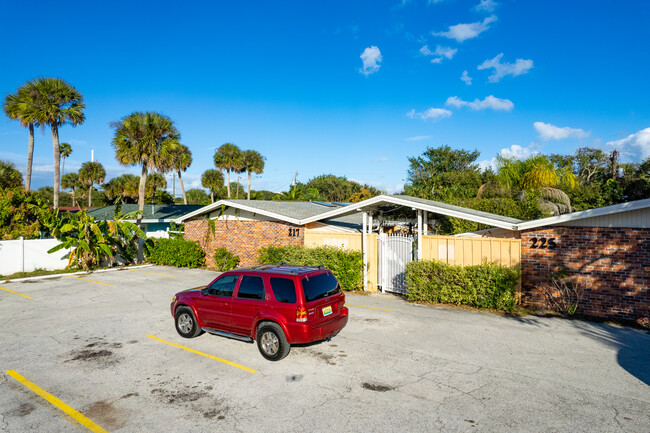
426, 223
364, 247
419, 235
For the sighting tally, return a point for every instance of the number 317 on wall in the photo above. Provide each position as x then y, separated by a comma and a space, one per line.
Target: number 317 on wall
543, 243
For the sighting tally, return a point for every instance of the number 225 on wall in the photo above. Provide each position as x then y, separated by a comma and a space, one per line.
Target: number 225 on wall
543, 243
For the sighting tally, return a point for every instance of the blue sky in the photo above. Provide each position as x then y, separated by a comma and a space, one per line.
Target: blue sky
345, 87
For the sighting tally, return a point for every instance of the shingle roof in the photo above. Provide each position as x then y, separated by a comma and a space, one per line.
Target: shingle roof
293, 209
157, 212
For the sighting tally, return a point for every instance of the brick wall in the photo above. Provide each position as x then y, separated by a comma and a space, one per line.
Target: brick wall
243, 238
612, 265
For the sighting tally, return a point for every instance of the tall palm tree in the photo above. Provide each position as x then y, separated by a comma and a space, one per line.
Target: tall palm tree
65, 150
91, 173
228, 157
253, 162
71, 181
179, 159
58, 103
21, 106
212, 180
140, 139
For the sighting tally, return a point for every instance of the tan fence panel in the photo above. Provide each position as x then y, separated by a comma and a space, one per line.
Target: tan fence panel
466, 251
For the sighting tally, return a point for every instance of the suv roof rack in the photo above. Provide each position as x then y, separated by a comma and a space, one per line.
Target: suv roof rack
286, 267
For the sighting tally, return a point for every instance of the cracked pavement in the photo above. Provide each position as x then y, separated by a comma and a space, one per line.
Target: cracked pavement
414, 368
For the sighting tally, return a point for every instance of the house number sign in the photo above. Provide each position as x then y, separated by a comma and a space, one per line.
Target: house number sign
294, 232
543, 243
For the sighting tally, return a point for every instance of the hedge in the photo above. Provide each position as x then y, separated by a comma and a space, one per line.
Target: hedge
176, 252
481, 286
347, 266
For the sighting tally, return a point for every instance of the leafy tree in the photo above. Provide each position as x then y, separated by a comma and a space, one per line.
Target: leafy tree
229, 157
91, 173
47, 194
21, 106
71, 181
253, 162
140, 139
179, 158
262, 195
212, 180
9, 176
57, 104
236, 189
591, 164
444, 174
154, 182
22, 213
197, 196
65, 150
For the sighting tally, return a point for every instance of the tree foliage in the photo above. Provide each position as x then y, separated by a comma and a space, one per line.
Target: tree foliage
22, 213
9, 176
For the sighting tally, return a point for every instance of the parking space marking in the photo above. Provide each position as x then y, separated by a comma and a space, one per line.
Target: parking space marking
16, 293
77, 416
155, 273
92, 281
250, 370
370, 308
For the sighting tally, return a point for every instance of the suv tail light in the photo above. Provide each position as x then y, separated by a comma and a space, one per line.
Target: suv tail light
301, 314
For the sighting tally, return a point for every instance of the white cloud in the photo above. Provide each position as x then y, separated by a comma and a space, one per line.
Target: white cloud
430, 114
440, 53
371, 58
466, 78
635, 146
489, 102
547, 131
520, 67
462, 32
515, 151
486, 6
381, 159
419, 138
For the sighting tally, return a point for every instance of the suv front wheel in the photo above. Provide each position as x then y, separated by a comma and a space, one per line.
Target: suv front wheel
272, 342
186, 325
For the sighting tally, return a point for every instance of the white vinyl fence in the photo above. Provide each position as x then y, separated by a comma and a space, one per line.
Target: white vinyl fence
25, 255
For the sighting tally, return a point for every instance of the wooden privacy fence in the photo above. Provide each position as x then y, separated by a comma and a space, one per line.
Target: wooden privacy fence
468, 251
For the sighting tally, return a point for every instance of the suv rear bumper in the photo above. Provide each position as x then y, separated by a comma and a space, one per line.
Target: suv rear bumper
302, 333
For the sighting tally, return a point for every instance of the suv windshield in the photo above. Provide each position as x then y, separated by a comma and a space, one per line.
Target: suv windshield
319, 286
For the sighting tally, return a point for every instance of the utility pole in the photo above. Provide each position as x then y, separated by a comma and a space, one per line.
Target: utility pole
174, 184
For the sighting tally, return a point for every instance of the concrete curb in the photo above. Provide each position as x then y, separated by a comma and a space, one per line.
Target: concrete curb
44, 277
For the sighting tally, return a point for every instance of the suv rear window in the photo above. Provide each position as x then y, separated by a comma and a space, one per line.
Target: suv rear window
319, 286
284, 290
251, 288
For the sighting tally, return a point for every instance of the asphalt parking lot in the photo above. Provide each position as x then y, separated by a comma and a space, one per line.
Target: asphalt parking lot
99, 352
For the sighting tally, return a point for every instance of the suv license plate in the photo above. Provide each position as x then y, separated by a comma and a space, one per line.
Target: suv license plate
327, 310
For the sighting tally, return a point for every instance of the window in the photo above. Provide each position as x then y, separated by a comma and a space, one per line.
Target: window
224, 286
319, 286
284, 290
251, 288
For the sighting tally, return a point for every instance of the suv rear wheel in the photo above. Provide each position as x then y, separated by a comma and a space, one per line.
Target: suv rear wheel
272, 342
186, 325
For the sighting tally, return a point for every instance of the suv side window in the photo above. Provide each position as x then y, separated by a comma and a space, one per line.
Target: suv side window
224, 286
284, 290
251, 287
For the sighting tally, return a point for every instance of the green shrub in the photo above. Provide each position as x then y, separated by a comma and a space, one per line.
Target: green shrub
225, 260
481, 286
347, 266
176, 252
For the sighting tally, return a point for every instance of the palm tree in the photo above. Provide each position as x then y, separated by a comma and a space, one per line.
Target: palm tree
253, 162
21, 106
228, 157
91, 173
179, 159
65, 150
140, 139
124, 187
71, 181
58, 103
153, 182
212, 180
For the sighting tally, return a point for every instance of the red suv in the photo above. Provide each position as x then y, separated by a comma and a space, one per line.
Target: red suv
276, 305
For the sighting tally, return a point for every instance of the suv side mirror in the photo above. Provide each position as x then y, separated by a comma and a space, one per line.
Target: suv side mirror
204, 291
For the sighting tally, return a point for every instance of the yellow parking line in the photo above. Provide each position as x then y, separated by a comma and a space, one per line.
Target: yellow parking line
92, 281
250, 370
57, 403
155, 273
370, 308
16, 293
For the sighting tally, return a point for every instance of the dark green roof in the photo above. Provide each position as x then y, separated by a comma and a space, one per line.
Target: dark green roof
158, 212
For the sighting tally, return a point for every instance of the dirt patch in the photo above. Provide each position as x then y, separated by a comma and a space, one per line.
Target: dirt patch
89, 355
328, 358
106, 415
377, 387
212, 413
179, 396
23, 410
98, 351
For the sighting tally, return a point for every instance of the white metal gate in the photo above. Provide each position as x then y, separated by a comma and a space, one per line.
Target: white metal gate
395, 252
